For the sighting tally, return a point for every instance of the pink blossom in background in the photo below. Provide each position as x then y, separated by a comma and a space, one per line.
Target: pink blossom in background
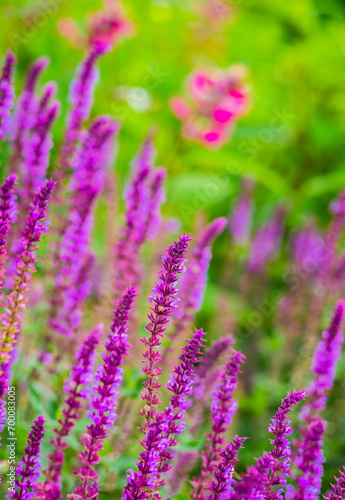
105, 28
218, 98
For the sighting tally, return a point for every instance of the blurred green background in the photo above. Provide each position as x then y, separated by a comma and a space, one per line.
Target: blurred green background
291, 141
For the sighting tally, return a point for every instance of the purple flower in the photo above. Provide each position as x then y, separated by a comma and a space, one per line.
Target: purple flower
272, 469
241, 217
266, 243
223, 408
164, 426
15, 302
144, 195
223, 475
81, 97
25, 113
74, 260
338, 488
8, 213
6, 94
27, 472
36, 153
164, 302
193, 283
309, 448
103, 401
76, 388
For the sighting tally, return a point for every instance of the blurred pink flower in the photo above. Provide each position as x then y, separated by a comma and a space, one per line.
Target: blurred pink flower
105, 27
218, 98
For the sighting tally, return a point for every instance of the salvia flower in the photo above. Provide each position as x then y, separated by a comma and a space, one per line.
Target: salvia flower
15, 302
217, 100
27, 472
265, 245
309, 457
223, 408
25, 113
144, 195
193, 282
81, 97
272, 469
338, 488
223, 475
241, 216
6, 94
76, 389
146, 482
8, 213
104, 396
164, 303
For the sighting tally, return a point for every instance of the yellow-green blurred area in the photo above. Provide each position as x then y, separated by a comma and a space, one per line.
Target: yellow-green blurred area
291, 142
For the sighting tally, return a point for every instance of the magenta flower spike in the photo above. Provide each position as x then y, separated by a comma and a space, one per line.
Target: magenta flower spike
223, 408
309, 457
36, 153
8, 213
25, 112
193, 282
28, 469
76, 389
137, 197
81, 97
162, 428
241, 216
72, 281
6, 94
15, 301
103, 400
265, 245
272, 469
164, 303
223, 475
156, 199
338, 488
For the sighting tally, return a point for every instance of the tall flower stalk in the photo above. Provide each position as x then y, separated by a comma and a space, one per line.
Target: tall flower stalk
103, 401
164, 302
76, 389
15, 302
223, 408
27, 472
6, 94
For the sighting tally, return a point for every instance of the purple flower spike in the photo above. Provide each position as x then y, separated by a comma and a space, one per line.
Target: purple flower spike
241, 217
81, 96
266, 243
272, 469
309, 448
162, 428
36, 153
137, 197
6, 94
8, 213
338, 488
193, 283
223, 408
27, 472
164, 304
104, 396
76, 388
15, 303
223, 476
156, 199
25, 112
